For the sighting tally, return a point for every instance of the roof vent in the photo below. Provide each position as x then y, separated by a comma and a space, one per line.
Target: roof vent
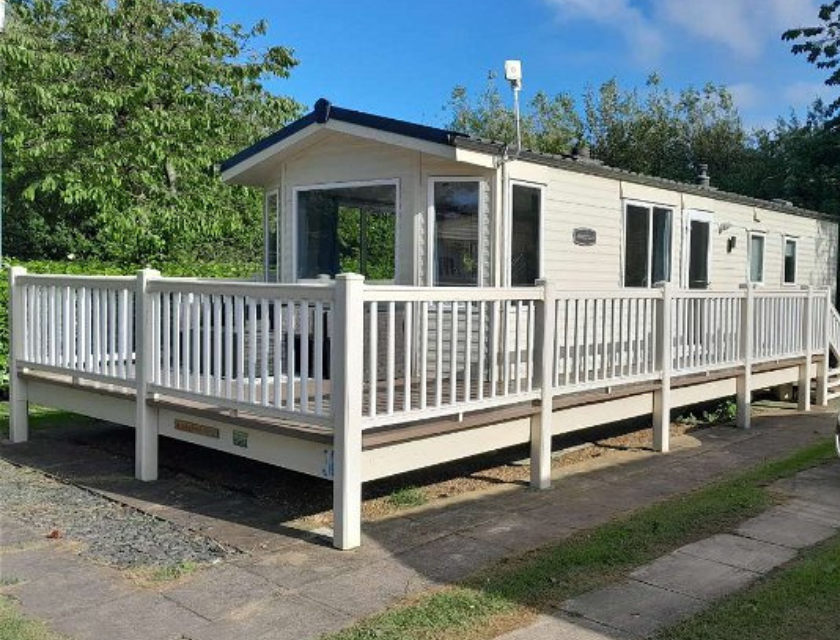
322, 110
703, 178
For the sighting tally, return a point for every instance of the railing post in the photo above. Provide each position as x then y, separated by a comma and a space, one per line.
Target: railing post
541, 423
145, 422
18, 387
804, 389
346, 400
744, 383
822, 371
662, 396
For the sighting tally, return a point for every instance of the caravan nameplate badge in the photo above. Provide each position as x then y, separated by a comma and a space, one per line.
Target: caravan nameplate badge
584, 237
197, 429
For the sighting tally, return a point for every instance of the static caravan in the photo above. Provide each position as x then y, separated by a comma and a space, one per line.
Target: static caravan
413, 205
429, 296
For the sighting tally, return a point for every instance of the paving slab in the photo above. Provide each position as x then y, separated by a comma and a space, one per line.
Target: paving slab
633, 607
451, 558
46, 597
821, 514
368, 589
558, 628
285, 617
744, 553
219, 591
694, 577
781, 527
520, 532
140, 616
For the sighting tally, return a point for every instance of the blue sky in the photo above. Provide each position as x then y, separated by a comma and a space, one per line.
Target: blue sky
402, 59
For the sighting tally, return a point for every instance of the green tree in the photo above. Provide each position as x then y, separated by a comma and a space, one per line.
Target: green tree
821, 45
114, 116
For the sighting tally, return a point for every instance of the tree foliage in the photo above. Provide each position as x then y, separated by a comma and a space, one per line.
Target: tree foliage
821, 46
114, 115
653, 131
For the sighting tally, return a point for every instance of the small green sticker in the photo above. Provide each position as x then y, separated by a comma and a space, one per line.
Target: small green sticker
240, 439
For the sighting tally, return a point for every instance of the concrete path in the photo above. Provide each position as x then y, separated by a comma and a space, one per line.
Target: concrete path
684, 582
288, 587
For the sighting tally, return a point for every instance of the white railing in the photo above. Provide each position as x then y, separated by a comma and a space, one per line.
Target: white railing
78, 324
417, 353
706, 329
257, 347
442, 351
603, 339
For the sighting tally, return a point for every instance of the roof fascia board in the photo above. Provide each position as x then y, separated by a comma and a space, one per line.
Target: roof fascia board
395, 139
297, 137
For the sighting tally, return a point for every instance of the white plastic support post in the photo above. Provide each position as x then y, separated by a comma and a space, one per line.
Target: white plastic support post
347, 373
18, 387
804, 387
541, 423
821, 398
145, 423
662, 396
744, 382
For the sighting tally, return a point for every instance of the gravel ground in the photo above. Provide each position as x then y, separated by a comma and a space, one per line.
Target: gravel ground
109, 532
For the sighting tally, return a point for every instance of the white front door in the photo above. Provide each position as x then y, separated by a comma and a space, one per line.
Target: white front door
697, 250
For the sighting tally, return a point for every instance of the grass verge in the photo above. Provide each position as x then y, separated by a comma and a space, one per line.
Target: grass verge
511, 593
799, 601
14, 626
153, 575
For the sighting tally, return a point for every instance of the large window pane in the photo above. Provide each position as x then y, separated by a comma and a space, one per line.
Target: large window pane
790, 261
698, 255
525, 236
756, 258
456, 207
636, 247
347, 229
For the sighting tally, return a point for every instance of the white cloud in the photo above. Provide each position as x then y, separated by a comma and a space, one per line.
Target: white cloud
803, 94
743, 27
642, 35
746, 95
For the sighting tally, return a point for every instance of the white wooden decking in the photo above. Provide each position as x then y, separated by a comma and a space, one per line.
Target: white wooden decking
354, 382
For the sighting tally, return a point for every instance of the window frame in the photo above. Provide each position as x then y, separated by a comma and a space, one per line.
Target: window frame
689, 216
325, 186
431, 243
275, 192
650, 206
509, 224
795, 241
763, 236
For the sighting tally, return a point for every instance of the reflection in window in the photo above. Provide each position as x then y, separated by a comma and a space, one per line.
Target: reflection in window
647, 245
525, 236
347, 229
272, 261
790, 261
756, 258
456, 207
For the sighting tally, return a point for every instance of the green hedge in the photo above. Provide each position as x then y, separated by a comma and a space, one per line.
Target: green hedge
183, 269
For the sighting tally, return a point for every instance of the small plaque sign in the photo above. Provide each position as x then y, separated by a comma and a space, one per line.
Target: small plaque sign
584, 237
197, 429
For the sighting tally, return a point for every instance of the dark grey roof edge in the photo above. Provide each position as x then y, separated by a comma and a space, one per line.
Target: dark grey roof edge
324, 111
589, 167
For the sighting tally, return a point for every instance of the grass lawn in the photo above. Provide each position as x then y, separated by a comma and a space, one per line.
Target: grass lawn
39, 417
801, 601
14, 626
511, 593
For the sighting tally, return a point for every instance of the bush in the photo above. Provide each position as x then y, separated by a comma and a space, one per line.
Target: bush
171, 269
